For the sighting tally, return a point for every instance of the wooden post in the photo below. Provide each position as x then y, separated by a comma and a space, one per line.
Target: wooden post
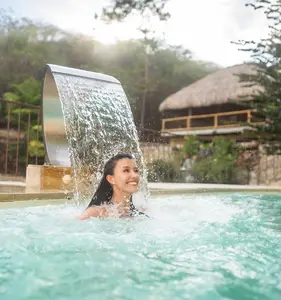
216, 121
189, 118
188, 123
249, 116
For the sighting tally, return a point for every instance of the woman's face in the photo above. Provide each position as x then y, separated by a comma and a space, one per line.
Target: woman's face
126, 176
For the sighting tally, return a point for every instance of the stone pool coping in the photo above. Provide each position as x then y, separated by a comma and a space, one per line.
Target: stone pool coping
10, 197
155, 189
205, 188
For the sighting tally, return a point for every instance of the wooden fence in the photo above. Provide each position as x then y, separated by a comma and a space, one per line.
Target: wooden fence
232, 119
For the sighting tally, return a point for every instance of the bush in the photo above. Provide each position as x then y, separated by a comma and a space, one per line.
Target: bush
213, 170
220, 166
162, 171
191, 146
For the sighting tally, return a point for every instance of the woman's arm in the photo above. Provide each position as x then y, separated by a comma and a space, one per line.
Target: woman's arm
94, 212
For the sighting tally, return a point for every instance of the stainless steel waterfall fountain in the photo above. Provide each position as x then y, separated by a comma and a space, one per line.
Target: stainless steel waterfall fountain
86, 119
54, 131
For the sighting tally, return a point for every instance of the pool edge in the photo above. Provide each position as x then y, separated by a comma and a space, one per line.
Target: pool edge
11, 197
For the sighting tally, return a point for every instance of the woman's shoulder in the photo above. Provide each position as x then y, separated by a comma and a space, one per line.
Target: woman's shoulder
94, 212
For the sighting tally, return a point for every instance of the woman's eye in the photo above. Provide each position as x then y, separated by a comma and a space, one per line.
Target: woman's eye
136, 170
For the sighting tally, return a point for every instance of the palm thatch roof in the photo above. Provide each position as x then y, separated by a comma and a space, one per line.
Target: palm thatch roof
216, 88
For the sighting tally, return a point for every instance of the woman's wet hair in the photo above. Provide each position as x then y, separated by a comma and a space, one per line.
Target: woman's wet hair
104, 192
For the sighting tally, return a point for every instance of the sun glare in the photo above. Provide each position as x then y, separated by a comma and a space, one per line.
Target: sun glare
111, 33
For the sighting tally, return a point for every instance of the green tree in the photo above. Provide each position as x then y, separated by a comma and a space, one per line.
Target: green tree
159, 73
26, 47
266, 55
149, 77
191, 146
27, 92
120, 9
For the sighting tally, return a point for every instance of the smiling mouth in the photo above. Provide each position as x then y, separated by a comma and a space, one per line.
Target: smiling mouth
132, 183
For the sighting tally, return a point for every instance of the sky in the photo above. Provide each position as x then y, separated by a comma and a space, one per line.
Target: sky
206, 27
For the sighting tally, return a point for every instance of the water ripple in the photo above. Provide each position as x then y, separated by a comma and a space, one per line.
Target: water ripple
195, 247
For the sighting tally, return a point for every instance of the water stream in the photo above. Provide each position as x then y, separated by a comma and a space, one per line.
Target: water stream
99, 124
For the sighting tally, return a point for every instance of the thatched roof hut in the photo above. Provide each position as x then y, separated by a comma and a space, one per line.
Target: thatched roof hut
214, 89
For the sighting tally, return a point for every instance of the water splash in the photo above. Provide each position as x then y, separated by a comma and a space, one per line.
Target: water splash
180, 253
99, 124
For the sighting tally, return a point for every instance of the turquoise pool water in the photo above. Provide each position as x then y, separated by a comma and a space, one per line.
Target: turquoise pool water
200, 247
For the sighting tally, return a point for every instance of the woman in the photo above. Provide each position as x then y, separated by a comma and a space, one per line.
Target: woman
119, 182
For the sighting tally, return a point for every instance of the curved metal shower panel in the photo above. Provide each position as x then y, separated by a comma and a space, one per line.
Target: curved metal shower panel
54, 130
87, 119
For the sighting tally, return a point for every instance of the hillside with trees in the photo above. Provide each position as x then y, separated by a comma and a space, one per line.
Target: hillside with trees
26, 46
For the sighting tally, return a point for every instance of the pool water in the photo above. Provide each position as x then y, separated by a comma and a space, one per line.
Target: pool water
205, 247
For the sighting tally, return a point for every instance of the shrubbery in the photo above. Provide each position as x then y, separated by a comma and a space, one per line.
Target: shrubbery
215, 162
219, 166
162, 171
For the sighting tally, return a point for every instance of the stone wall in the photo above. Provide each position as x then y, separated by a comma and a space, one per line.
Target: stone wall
269, 169
265, 169
154, 151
